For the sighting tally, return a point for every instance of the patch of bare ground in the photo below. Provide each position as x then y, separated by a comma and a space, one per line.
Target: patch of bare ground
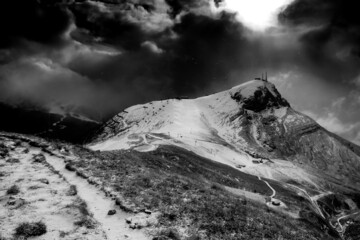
35, 201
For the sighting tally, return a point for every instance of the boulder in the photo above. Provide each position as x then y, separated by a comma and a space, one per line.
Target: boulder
112, 212
39, 158
13, 160
15, 203
44, 180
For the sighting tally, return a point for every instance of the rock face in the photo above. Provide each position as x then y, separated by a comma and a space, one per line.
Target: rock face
297, 138
263, 97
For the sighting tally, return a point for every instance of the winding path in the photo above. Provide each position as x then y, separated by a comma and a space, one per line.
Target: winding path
313, 200
272, 189
114, 226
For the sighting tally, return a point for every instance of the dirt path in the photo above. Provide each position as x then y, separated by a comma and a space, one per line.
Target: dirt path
43, 196
312, 200
272, 189
263, 200
115, 226
44, 186
342, 228
247, 194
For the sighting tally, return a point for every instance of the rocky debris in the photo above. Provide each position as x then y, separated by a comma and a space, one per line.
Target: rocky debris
72, 191
240, 166
111, 212
94, 181
124, 205
26, 150
13, 160
48, 150
39, 158
134, 226
64, 151
13, 190
39, 144
142, 220
110, 193
69, 166
19, 143
44, 180
4, 152
26, 230
147, 211
82, 174
15, 203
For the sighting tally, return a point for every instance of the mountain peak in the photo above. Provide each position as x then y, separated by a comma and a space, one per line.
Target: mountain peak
258, 95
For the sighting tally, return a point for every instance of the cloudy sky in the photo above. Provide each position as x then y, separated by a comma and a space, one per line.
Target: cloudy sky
106, 55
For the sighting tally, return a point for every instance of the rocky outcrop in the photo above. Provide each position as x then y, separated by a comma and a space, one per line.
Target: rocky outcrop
304, 142
264, 97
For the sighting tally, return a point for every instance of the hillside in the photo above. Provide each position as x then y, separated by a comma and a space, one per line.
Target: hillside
250, 128
169, 193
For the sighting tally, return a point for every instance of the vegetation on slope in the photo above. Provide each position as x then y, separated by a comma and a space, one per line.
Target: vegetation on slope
187, 190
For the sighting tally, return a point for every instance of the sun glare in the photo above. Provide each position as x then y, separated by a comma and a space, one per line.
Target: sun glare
256, 14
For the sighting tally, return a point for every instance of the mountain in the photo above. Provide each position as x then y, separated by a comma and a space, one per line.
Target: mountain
56, 122
249, 126
252, 128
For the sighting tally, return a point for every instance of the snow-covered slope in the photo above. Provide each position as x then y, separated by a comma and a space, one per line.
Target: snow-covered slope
202, 124
250, 127
191, 121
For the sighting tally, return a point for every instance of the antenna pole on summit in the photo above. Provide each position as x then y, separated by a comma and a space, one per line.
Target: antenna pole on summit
266, 77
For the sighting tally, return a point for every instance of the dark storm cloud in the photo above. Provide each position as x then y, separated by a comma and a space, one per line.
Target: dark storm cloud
197, 50
98, 20
332, 38
182, 60
179, 6
329, 40
205, 51
151, 56
31, 20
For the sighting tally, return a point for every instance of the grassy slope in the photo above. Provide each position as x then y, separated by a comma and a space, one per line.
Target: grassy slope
186, 189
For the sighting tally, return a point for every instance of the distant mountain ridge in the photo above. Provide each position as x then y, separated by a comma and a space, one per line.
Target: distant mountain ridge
41, 122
